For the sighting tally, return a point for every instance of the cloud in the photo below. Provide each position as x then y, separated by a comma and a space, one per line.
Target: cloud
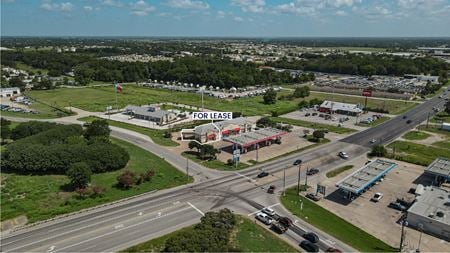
141, 8
238, 19
7, 1
188, 4
48, 5
315, 7
341, 13
88, 8
221, 14
114, 3
256, 6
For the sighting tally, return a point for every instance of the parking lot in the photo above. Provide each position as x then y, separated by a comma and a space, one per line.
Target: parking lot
376, 217
312, 115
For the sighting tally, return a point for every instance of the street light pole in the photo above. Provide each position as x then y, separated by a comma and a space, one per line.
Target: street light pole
284, 181
298, 179
402, 237
420, 236
187, 168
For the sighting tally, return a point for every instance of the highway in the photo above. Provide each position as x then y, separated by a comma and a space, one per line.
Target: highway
116, 227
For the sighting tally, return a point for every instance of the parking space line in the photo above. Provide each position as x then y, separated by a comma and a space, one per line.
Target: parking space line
198, 210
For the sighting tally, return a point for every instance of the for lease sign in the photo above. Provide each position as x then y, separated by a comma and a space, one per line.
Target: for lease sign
212, 115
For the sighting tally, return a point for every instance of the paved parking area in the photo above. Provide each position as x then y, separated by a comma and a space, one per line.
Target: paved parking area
377, 218
314, 116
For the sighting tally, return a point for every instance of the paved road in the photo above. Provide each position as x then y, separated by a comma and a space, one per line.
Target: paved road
122, 225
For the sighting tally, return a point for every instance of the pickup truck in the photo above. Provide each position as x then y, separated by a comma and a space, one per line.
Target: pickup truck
282, 225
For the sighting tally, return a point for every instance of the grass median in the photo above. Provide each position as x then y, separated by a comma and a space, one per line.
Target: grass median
40, 197
333, 224
338, 171
247, 237
156, 135
415, 135
313, 125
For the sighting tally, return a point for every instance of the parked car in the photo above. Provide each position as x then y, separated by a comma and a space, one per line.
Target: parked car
271, 189
264, 218
397, 206
313, 197
377, 197
311, 237
368, 161
263, 174
307, 114
333, 250
269, 211
343, 155
314, 114
297, 162
311, 172
408, 121
309, 246
373, 141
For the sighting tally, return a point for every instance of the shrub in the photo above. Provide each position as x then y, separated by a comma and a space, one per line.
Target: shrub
126, 179
79, 175
30, 128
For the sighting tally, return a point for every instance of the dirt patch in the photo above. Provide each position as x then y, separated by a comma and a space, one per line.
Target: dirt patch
14, 223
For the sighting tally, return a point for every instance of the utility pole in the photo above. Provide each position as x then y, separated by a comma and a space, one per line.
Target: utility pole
402, 237
284, 181
257, 147
298, 179
306, 177
420, 236
187, 168
428, 118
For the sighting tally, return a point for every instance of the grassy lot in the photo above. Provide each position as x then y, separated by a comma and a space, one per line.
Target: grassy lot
441, 116
442, 144
213, 164
313, 125
156, 135
249, 237
97, 98
433, 129
332, 224
416, 135
375, 122
45, 112
41, 197
416, 153
338, 171
28, 68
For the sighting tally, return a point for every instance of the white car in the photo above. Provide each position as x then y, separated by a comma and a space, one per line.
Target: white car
377, 197
264, 218
343, 155
269, 211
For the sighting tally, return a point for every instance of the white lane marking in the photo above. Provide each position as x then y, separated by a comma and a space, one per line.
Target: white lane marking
159, 214
250, 214
176, 202
140, 213
77, 229
118, 226
198, 210
51, 248
118, 230
244, 176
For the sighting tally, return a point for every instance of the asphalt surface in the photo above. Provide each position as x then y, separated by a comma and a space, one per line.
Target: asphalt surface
125, 224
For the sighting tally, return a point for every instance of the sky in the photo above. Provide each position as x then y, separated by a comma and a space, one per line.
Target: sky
226, 18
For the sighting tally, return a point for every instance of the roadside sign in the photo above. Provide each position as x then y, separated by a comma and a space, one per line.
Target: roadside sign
367, 93
236, 152
321, 189
109, 108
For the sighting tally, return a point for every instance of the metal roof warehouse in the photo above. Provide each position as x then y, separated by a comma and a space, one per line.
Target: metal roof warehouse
365, 177
257, 136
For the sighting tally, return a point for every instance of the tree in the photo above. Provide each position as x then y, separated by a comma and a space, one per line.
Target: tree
447, 107
97, 128
303, 104
378, 150
270, 97
194, 144
265, 122
4, 128
79, 174
306, 132
301, 92
319, 134
126, 179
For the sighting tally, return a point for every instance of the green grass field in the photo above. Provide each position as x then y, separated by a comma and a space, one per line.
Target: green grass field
332, 224
45, 112
338, 171
28, 68
156, 135
416, 135
433, 129
214, 164
442, 144
417, 153
40, 197
441, 117
249, 237
313, 125
97, 98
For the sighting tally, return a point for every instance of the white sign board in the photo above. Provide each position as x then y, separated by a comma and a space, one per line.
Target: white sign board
212, 115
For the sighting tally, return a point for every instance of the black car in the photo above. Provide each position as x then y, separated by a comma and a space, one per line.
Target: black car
404, 116
297, 162
313, 196
309, 246
311, 237
314, 114
307, 114
397, 206
311, 172
263, 174
408, 121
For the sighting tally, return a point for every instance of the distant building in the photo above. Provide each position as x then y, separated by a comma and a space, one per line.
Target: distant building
9, 92
440, 170
445, 126
151, 113
340, 108
430, 212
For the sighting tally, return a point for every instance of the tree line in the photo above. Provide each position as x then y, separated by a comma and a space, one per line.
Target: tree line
367, 65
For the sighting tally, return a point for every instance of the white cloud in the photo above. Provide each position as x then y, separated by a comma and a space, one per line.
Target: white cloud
238, 19
221, 14
88, 8
257, 6
48, 5
339, 3
141, 8
315, 7
341, 13
114, 3
188, 4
